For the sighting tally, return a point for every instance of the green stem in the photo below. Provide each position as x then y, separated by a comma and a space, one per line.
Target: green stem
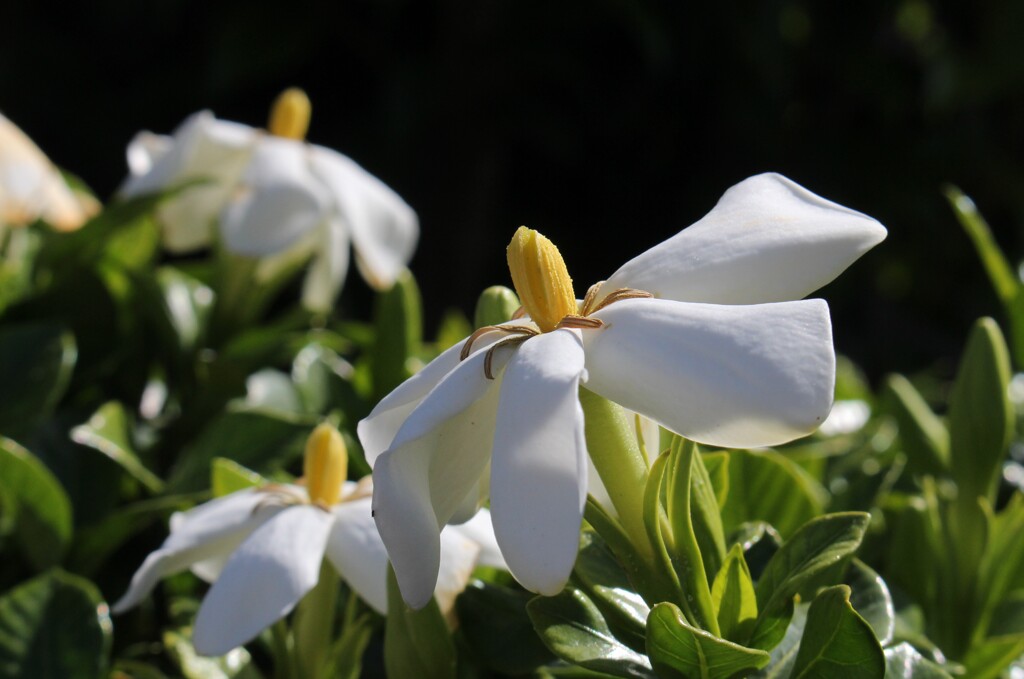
284, 660
314, 623
612, 444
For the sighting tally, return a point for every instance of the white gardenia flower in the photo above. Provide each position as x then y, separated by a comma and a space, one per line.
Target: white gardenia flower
31, 187
262, 549
273, 194
696, 334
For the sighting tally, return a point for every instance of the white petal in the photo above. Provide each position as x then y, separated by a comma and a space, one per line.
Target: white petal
204, 532
202, 148
384, 228
356, 550
539, 468
263, 580
377, 430
734, 376
326, 274
280, 200
145, 149
458, 558
480, 530
767, 240
435, 461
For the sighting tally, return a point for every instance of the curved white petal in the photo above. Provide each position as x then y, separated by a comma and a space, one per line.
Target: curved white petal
326, 274
539, 468
434, 462
767, 240
377, 430
356, 550
734, 376
458, 558
145, 149
263, 580
279, 200
384, 228
480, 530
205, 532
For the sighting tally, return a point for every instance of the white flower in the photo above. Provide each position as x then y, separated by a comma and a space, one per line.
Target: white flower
31, 187
274, 194
262, 550
714, 353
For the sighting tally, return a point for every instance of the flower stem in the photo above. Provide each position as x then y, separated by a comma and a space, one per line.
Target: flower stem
314, 623
613, 447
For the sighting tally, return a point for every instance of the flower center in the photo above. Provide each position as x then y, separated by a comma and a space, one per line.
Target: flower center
540, 278
326, 465
289, 116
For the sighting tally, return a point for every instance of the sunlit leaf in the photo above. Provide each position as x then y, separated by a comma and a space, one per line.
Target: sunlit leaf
678, 649
42, 510
416, 643
107, 432
837, 642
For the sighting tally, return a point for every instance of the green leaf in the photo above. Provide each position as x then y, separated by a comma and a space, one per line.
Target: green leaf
494, 622
783, 656
36, 361
679, 650
187, 304
1008, 620
416, 643
606, 583
810, 559
323, 380
980, 413
988, 660
55, 625
924, 436
263, 441
703, 511
765, 486
42, 509
733, 597
904, 662
236, 664
999, 271
760, 541
717, 464
837, 642
107, 432
399, 325
573, 628
227, 476
454, 328
871, 599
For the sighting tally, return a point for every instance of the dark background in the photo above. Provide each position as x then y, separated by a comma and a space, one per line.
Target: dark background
607, 124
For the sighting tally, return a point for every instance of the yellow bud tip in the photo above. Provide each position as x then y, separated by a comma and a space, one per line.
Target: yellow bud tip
325, 466
289, 116
540, 278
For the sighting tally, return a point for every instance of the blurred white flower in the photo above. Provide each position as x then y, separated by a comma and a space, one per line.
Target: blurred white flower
32, 188
694, 334
262, 549
273, 194
846, 417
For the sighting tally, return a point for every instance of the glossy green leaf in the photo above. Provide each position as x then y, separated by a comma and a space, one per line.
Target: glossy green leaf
323, 380
55, 625
990, 658
703, 512
1003, 560
261, 440
416, 643
999, 271
812, 558
1008, 619
733, 597
494, 622
677, 649
603, 579
783, 656
272, 390
837, 642
236, 664
36, 361
227, 476
924, 436
42, 510
871, 599
717, 464
187, 304
573, 628
399, 325
759, 541
765, 486
107, 432
980, 413
904, 662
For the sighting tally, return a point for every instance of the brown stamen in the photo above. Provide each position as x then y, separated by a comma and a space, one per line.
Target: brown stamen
579, 323
588, 301
467, 348
489, 356
621, 294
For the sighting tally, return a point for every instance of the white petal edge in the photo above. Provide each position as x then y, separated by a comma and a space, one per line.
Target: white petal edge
435, 461
205, 532
458, 558
480, 530
767, 240
733, 376
538, 468
384, 228
356, 551
263, 580
326, 274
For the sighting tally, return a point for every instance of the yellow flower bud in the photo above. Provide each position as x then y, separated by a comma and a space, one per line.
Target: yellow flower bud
289, 116
540, 278
325, 466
